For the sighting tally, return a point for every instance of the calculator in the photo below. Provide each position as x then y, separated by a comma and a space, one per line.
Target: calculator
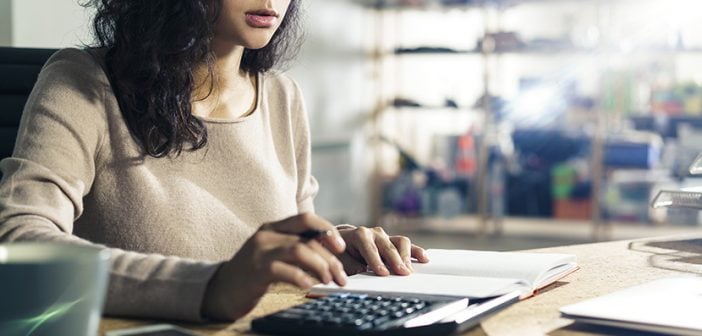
373, 314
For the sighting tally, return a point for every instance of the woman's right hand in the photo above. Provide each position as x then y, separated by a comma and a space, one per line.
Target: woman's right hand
275, 253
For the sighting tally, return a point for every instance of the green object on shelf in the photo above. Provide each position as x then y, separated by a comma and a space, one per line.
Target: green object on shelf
564, 178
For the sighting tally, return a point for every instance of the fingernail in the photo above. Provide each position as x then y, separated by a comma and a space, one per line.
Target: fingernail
307, 282
409, 265
383, 269
403, 268
344, 277
340, 241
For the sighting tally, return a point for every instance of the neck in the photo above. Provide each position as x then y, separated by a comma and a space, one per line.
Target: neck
231, 92
227, 71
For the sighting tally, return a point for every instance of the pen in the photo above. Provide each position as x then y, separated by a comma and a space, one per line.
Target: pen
312, 234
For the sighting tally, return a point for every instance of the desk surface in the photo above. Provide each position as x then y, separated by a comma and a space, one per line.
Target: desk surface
605, 267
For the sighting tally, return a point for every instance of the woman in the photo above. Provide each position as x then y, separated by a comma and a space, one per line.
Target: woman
173, 144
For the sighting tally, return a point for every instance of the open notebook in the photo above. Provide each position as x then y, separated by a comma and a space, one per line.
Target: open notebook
466, 273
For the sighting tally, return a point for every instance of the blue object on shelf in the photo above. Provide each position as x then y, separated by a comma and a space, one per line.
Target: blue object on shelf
666, 126
548, 146
631, 155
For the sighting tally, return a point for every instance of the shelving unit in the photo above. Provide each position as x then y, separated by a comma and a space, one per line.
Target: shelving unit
489, 69
388, 108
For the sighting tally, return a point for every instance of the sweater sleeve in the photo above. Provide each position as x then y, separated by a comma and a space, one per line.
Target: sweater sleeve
53, 167
307, 185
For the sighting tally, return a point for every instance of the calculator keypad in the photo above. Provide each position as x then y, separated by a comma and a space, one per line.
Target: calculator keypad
345, 313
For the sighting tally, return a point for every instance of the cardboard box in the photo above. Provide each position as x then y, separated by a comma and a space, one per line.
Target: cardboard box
572, 209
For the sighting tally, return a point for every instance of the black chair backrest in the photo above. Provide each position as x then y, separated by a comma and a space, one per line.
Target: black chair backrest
19, 68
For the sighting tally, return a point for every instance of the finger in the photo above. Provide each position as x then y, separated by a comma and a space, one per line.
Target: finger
404, 247
298, 224
364, 242
352, 265
420, 254
301, 255
283, 272
334, 265
389, 253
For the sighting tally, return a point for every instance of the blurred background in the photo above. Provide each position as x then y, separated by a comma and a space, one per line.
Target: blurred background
484, 124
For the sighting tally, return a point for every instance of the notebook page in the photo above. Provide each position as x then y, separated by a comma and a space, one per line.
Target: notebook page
530, 267
427, 284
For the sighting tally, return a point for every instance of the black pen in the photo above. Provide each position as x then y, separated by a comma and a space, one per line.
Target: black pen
313, 234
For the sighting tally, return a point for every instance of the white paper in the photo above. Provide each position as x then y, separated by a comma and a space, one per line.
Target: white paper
428, 284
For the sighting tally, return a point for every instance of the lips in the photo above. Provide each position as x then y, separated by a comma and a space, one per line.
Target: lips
262, 18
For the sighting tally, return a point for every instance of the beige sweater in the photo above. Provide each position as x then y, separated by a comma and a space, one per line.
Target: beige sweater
77, 176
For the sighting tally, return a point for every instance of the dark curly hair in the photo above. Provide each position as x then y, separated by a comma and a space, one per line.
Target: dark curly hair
153, 47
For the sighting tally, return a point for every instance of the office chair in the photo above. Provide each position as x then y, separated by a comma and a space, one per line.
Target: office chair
19, 68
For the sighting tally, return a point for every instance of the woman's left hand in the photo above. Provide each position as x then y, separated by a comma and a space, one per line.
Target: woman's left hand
373, 248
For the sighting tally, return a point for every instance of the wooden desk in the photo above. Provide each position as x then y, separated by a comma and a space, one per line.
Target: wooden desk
605, 267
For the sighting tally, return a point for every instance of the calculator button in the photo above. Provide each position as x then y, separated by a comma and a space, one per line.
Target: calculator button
353, 320
359, 296
381, 320
314, 319
334, 320
288, 315
382, 312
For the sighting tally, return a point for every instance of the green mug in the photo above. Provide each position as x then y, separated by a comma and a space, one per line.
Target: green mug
52, 289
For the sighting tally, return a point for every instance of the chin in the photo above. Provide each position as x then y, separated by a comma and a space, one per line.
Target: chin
254, 46
257, 42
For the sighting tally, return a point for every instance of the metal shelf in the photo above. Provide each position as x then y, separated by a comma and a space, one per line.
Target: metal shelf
690, 198
545, 52
696, 167
437, 5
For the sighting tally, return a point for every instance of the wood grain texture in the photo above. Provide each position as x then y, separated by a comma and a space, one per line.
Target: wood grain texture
604, 268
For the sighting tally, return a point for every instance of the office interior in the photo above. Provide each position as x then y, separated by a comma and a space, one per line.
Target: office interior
484, 124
